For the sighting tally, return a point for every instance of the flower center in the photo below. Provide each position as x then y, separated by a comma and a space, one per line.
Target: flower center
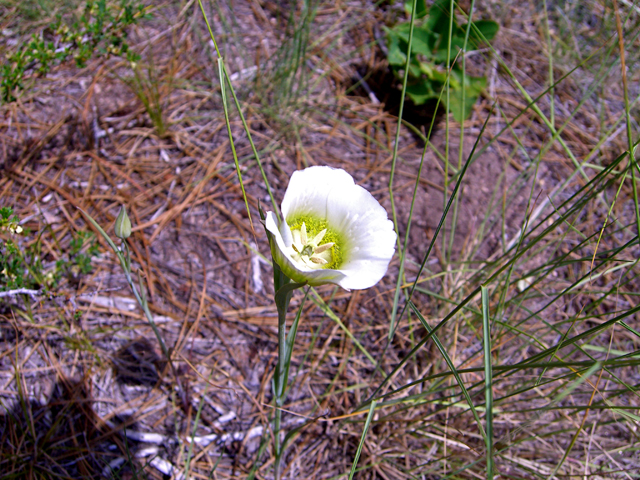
314, 244
308, 250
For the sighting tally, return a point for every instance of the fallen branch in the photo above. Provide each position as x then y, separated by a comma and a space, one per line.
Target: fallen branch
21, 291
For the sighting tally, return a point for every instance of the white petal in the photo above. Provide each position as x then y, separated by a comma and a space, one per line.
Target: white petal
368, 235
365, 272
309, 190
285, 231
294, 271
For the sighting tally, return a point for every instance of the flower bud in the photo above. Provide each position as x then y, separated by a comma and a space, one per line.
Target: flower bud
123, 224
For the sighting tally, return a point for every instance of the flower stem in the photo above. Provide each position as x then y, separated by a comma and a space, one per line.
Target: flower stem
141, 298
279, 384
282, 298
284, 289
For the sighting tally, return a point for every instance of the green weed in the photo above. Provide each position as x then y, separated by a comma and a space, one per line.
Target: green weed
100, 31
436, 42
152, 90
23, 267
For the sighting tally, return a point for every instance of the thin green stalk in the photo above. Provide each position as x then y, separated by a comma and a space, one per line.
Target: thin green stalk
244, 122
627, 109
452, 367
284, 289
222, 75
463, 57
444, 214
403, 250
279, 394
397, 139
488, 379
140, 295
447, 87
367, 422
280, 281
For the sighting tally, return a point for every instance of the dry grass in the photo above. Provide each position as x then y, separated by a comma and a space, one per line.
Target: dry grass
83, 381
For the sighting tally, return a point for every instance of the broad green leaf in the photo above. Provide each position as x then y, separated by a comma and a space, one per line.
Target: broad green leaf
428, 68
486, 31
397, 55
460, 108
438, 21
414, 69
475, 85
423, 39
420, 92
456, 44
421, 8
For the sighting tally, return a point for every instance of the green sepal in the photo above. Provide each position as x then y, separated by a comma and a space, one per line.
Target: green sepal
283, 295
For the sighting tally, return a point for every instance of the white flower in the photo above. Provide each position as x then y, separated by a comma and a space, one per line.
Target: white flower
334, 231
15, 228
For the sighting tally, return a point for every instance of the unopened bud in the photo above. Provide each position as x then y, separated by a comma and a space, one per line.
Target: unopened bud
123, 224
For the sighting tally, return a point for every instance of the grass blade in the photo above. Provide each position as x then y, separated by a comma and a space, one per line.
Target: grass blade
451, 366
367, 422
488, 380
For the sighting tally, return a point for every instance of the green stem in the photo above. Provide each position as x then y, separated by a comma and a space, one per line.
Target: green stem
282, 298
284, 289
279, 384
141, 298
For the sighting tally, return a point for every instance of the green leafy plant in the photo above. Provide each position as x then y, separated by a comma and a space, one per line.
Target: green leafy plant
77, 261
23, 267
11, 259
100, 30
435, 56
